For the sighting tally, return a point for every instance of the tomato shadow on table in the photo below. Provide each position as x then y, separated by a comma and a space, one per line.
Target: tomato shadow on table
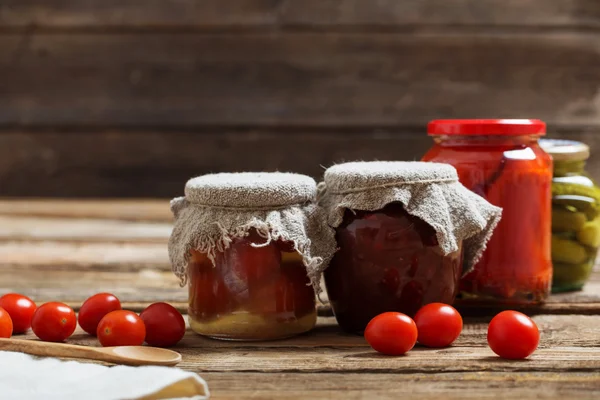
372, 354
500, 360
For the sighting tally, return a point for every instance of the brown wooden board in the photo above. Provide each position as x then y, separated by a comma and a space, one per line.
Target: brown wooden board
341, 363
401, 385
153, 163
42, 248
308, 14
156, 210
282, 79
52, 264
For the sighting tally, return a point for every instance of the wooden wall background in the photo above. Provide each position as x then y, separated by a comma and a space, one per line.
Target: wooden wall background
131, 97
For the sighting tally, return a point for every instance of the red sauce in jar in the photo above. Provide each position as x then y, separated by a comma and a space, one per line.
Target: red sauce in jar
251, 293
387, 260
507, 167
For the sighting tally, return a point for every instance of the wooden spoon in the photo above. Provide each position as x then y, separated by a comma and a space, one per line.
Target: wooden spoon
129, 355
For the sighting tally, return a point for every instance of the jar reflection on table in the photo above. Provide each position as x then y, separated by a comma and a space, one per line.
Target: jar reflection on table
251, 293
511, 171
387, 260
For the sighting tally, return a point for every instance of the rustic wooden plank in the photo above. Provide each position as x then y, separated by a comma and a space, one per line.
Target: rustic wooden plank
295, 79
557, 331
557, 364
86, 230
319, 360
126, 256
310, 14
155, 210
74, 286
60, 165
581, 331
398, 385
40, 269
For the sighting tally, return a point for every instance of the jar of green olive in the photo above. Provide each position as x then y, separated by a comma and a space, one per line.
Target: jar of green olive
575, 215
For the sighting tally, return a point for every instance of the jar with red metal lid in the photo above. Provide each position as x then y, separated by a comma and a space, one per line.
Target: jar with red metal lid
501, 160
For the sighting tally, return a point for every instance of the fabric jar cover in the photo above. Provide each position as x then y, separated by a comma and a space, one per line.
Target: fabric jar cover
430, 191
218, 208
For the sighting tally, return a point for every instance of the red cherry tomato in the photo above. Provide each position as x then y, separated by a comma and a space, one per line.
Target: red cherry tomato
54, 322
391, 333
165, 326
94, 308
20, 308
513, 335
121, 328
438, 324
6, 324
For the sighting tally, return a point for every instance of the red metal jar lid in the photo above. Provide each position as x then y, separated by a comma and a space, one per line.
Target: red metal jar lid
508, 127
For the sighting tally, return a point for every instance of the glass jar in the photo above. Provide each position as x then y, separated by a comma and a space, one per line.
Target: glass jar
502, 161
387, 260
251, 247
250, 293
575, 215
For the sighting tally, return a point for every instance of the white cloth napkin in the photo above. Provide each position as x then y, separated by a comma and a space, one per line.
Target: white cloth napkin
23, 377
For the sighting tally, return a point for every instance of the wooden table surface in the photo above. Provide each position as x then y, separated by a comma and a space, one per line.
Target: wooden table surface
69, 250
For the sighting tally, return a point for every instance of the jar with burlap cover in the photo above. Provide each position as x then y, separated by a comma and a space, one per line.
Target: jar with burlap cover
429, 191
218, 208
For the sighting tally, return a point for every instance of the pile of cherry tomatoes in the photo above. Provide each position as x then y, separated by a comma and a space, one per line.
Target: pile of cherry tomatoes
160, 324
510, 335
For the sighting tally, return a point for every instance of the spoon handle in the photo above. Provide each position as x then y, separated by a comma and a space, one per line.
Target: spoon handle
47, 349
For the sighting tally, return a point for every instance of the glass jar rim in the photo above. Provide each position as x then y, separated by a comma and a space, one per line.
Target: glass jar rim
565, 150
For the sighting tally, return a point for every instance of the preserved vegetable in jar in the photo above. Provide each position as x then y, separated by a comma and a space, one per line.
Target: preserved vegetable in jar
250, 246
401, 230
575, 215
251, 290
391, 258
502, 161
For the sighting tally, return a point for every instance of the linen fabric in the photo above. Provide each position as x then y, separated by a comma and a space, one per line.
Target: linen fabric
430, 191
218, 208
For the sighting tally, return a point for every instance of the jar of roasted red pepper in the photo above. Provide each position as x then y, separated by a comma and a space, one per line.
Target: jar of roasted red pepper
502, 161
250, 246
402, 229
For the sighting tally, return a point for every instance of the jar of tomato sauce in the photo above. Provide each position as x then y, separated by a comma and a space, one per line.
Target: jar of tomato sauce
402, 232
249, 246
502, 161
252, 291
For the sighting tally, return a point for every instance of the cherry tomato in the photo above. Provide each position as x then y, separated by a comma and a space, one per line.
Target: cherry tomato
6, 324
438, 324
121, 328
20, 308
391, 333
54, 322
513, 335
94, 308
165, 326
